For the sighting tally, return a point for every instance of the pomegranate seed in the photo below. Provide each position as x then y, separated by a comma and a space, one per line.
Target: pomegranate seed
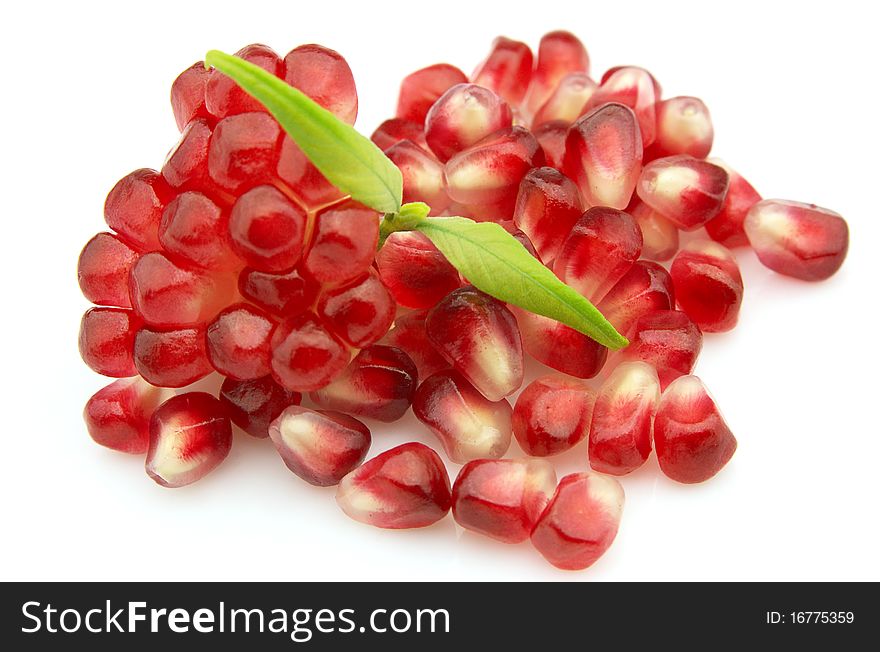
633, 87
727, 226
396, 130
103, 270
419, 90
683, 189
267, 229
568, 101
551, 136
581, 521
171, 358
795, 239
305, 355
414, 270
343, 243
188, 94
405, 487
683, 127
320, 447
708, 285
481, 339
134, 208
186, 166
196, 230
620, 433
469, 425
244, 151
323, 74
692, 439
282, 295
603, 155
502, 498
422, 175
552, 415
507, 70
224, 97
599, 251
254, 404
410, 336
359, 313
667, 340
303, 178
463, 116
658, 90
118, 416
379, 384
559, 54
644, 288
238, 342
659, 235
190, 435
547, 207
560, 347
106, 341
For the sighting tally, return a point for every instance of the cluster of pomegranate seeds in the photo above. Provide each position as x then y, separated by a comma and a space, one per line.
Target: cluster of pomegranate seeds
240, 258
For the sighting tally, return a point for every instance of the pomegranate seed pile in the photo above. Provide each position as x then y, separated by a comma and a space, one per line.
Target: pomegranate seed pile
238, 257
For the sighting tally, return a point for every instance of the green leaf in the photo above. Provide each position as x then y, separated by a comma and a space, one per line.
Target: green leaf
496, 263
350, 161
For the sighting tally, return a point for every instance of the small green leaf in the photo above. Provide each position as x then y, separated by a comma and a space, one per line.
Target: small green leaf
350, 161
496, 263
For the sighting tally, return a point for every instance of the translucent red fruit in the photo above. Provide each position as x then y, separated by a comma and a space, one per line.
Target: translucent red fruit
405, 487
196, 230
414, 270
395, 130
186, 166
667, 340
559, 54
548, 205
727, 226
190, 435
224, 97
551, 136
343, 243
321, 447
324, 75
267, 229
502, 498
598, 251
171, 358
621, 430
635, 88
692, 439
646, 287
118, 416
481, 339
254, 404
684, 126
796, 239
283, 295
103, 270
305, 354
302, 178
106, 341
659, 235
507, 70
581, 521
603, 155
463, 116
380, 383
708, 285
552, 414
469, 425
188, 94
134, 208
568, 102
560, 347
410, 335
361, 312
683, 189
419, 90
244, 151
238, 342
422, 175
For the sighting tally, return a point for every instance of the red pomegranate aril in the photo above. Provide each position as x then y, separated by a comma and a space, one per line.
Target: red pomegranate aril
507, 70
188, 94
552, 414
244, 151
321, 447
683, 127
174, 358
560, 347
118, 416
658, 90
396, 130
727, 226
196, 230
646, 287
186, 166
559, 54
361, 312
324, 75
267, 229
282, 295
659, 235
254, 404
106, 341
410, 336
502, 499
343, 243
134, 208
305, 354
103, 270
686, 190
463, 116
238, 342
633, 87
667, 340
797, 239
224, 97
580, 522
302, 178
380, 384
568, 102
692, 439
621, 429
551, 136
190, 435
422, 175
414, 270
420, 89
548, 205
469, 425
708, 285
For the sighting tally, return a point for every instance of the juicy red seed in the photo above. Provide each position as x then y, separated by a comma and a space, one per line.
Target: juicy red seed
633, 87
580, 522
502, 498
103, 270
559, 54
469, 425
683, 127
659, 235
727, 226
420, 89
414, 270
118, 416
134, 208
379, 384
321, 447
646, 287
658, 90
267, 229
323, 74
568, 102
188, 94
196, 230
708, 285
507, 70
692, 439
683, 189
106, 341
238, 342
551, 136
171, 358
343, 244
396, 130
620, 432
244, 151
422, 175
667, 340
361, 312
303, 178
560, 347
547, 207
190, 435
283, 295
552, 414
405, 487
410, 336
305, 355
224, 97
186, 166
463, 116
254, 404
799, 240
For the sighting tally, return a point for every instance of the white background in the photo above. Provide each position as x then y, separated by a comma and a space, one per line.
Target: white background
792, 87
